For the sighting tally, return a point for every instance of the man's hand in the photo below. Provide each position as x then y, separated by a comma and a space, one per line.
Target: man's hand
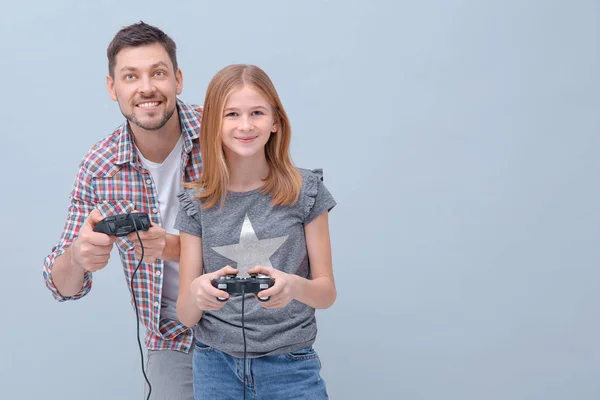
91, 250
154, 241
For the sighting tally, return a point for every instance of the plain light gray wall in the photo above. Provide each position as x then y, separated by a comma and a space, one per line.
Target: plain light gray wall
460, 139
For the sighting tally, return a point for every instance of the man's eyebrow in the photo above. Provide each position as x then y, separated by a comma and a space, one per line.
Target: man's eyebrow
127, 68
159, 64
153, 66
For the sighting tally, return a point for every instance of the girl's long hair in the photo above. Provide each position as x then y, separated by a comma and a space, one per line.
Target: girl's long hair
283, 183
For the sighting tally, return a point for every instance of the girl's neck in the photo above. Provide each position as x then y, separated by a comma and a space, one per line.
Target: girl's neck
246, 174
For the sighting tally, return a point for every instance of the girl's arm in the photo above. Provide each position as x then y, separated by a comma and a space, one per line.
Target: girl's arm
190, 268
196, 292
320, 291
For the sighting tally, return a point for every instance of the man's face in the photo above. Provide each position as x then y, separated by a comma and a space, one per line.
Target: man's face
145, 85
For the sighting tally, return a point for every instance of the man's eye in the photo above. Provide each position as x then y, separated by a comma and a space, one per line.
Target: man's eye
160, 73
129, 77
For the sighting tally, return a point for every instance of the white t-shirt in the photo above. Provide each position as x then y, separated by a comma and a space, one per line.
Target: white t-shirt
167, 180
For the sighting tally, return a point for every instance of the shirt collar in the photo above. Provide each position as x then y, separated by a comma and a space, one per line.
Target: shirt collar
189, 120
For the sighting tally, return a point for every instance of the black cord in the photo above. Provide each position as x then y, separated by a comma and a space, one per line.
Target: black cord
244, 334
137, 317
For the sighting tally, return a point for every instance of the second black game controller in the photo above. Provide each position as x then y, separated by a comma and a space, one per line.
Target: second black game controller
255, 283
124, 224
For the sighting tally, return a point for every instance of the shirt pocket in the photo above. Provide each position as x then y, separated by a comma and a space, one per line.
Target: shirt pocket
115, 207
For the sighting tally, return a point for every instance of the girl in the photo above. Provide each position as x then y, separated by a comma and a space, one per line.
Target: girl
252, 208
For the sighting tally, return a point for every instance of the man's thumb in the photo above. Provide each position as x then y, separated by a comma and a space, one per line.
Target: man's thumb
95, 216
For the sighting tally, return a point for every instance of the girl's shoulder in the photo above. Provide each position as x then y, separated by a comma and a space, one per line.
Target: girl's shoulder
310, 174
188, 202
311, 180
314, 196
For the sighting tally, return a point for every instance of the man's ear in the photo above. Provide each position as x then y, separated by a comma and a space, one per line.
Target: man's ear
110, 86
179, 80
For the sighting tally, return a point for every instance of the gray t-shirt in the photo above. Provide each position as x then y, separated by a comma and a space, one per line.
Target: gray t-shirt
249, 231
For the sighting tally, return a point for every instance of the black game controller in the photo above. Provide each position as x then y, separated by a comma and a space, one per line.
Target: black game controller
234, 285
123, 224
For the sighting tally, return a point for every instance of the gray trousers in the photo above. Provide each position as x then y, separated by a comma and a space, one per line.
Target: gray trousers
170, 375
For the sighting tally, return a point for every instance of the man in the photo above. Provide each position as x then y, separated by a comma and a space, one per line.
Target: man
139, 167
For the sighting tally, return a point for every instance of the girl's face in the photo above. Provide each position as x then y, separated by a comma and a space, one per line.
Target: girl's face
248, 121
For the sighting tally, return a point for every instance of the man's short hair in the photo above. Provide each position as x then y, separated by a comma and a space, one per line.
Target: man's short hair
139, 34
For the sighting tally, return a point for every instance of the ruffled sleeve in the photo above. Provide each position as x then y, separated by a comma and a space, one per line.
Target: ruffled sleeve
187, 203
188, 217
316, 198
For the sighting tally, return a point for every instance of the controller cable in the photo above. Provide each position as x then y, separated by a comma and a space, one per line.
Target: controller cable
137, 317
244, 335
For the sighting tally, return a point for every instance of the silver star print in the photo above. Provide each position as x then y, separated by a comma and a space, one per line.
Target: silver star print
250, 251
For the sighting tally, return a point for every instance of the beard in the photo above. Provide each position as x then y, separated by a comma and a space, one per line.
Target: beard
152, 125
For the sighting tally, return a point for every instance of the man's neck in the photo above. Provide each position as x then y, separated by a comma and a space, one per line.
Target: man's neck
156, 145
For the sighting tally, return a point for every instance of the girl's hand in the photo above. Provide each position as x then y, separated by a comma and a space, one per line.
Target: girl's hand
282, 292
205, 294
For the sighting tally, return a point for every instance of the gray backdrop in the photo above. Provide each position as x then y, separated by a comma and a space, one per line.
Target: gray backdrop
460, 139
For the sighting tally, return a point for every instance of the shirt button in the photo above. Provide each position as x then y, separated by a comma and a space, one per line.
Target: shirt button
156, 304
157, 273
149, 181
155, 210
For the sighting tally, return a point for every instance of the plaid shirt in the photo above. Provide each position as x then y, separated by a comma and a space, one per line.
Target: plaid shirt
112, 179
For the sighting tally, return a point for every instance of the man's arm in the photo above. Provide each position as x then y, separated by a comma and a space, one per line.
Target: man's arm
171, 251
67, 278
157, 244
62, 275
88, 253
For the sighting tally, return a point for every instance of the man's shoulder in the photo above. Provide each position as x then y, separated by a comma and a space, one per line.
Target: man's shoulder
191, 109
102, 155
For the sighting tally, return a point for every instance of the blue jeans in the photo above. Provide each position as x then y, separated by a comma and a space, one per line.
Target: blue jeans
287, 376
